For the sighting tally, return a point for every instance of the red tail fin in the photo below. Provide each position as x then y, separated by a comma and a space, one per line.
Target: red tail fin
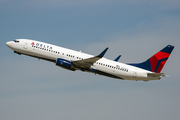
157, 61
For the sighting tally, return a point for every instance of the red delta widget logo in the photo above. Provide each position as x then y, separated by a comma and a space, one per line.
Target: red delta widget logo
32, 43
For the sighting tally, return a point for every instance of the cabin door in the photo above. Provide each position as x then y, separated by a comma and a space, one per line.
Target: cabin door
25, 45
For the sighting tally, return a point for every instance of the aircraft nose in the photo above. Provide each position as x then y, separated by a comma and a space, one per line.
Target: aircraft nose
9, 44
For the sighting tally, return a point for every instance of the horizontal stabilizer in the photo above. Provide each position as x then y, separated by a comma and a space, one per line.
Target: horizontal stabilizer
155, 74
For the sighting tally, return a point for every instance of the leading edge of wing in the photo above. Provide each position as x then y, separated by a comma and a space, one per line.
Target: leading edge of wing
86, 63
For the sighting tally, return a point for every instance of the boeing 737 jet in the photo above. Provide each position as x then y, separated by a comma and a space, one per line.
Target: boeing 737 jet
74, 60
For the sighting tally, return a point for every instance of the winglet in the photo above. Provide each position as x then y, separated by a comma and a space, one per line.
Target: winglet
117, 58
102, 54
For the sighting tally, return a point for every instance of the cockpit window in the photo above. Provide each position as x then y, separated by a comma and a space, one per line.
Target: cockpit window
16, 41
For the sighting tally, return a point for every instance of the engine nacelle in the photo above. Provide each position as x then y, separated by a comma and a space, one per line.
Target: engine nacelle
64, 63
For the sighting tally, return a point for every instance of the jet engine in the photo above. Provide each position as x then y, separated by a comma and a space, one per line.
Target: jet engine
64, 64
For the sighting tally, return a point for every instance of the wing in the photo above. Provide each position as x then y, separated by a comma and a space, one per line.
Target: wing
86, 63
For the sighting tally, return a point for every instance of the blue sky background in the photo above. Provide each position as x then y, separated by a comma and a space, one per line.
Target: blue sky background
37, 89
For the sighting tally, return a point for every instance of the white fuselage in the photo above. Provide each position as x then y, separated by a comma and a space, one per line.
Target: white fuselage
50, 52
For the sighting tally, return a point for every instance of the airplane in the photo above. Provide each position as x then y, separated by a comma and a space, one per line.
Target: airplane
75, 60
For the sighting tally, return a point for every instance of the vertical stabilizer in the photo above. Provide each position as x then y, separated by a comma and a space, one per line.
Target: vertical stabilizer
157, 61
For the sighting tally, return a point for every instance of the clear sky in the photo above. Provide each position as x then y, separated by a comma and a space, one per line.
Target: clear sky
32, 89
